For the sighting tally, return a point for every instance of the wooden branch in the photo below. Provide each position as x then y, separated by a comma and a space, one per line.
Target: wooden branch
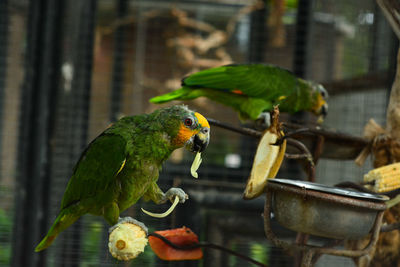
185, 21
128, 20
391, 10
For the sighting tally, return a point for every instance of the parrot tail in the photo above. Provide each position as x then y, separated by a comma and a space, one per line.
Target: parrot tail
62, 222
183, 93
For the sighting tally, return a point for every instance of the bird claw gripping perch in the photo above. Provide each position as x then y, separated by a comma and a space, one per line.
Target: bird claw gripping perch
265, 118
128, 220
268, 158
176, 195
173, 192
118, 165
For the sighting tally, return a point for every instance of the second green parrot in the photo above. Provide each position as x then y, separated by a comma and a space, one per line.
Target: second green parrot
123, 163
252, 89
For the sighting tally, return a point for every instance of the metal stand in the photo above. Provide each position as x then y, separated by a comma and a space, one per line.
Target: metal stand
309, 250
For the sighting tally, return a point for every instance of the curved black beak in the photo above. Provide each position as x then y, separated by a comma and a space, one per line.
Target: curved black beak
201, 140
324, 110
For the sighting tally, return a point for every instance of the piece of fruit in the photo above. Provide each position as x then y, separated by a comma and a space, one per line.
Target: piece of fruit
181, 237
195, 165
267, 160
127, 239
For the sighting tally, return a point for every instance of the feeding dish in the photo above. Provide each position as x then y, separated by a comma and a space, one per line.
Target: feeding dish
322, 210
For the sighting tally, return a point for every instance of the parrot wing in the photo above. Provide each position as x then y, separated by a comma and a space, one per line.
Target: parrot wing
255, 80
103, 159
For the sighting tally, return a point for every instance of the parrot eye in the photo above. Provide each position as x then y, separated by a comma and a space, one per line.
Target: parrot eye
322, 91
188, 122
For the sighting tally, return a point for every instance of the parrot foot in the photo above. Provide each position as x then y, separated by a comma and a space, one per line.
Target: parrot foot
265, 117
128, 220
172, 192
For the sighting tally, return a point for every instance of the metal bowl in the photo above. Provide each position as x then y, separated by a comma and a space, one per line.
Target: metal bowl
323, 210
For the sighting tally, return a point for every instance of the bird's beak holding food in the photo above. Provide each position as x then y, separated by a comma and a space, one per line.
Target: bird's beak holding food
322, 113
199, 141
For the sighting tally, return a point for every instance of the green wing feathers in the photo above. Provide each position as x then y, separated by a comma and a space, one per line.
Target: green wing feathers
91, 179
62, 222
96, 169
254, 80
119, 167
267, 82
184, 93
249, 89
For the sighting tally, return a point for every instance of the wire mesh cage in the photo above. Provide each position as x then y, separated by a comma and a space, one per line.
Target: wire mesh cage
68, 69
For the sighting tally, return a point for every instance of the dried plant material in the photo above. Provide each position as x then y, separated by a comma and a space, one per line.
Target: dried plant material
385, 143
267, 160
184, 20
166, 213
393, 110
386, 150
371, 131
127, 239
205, 49
195, 165
192, 48
275, 22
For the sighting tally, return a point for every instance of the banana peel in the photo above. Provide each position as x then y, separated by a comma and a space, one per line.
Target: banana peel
267, 160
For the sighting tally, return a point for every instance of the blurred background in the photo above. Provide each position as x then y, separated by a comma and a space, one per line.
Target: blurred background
70, 68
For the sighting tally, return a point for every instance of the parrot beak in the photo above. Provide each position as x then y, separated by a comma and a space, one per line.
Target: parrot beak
199, 141
323, 112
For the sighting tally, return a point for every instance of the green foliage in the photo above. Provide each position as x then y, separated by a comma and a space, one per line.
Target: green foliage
5, 237
91, 244
255, 250
259, 252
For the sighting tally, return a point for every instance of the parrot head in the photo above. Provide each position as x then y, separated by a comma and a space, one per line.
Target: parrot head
320, 106
191, 129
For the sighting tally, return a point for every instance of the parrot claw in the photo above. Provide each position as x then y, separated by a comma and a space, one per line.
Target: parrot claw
265, 117
172, 192
128, 220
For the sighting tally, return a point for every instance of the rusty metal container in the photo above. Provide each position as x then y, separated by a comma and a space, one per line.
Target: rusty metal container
323, 210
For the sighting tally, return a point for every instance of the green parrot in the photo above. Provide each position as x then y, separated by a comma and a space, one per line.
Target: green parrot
252, 89
123, 163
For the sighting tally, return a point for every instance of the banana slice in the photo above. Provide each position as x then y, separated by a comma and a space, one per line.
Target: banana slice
267, 160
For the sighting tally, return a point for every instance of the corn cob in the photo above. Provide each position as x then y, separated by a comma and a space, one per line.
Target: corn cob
127, 239
385, 178
267, 160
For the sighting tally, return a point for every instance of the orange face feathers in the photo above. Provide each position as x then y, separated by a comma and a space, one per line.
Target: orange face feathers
184, 134
189, 127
